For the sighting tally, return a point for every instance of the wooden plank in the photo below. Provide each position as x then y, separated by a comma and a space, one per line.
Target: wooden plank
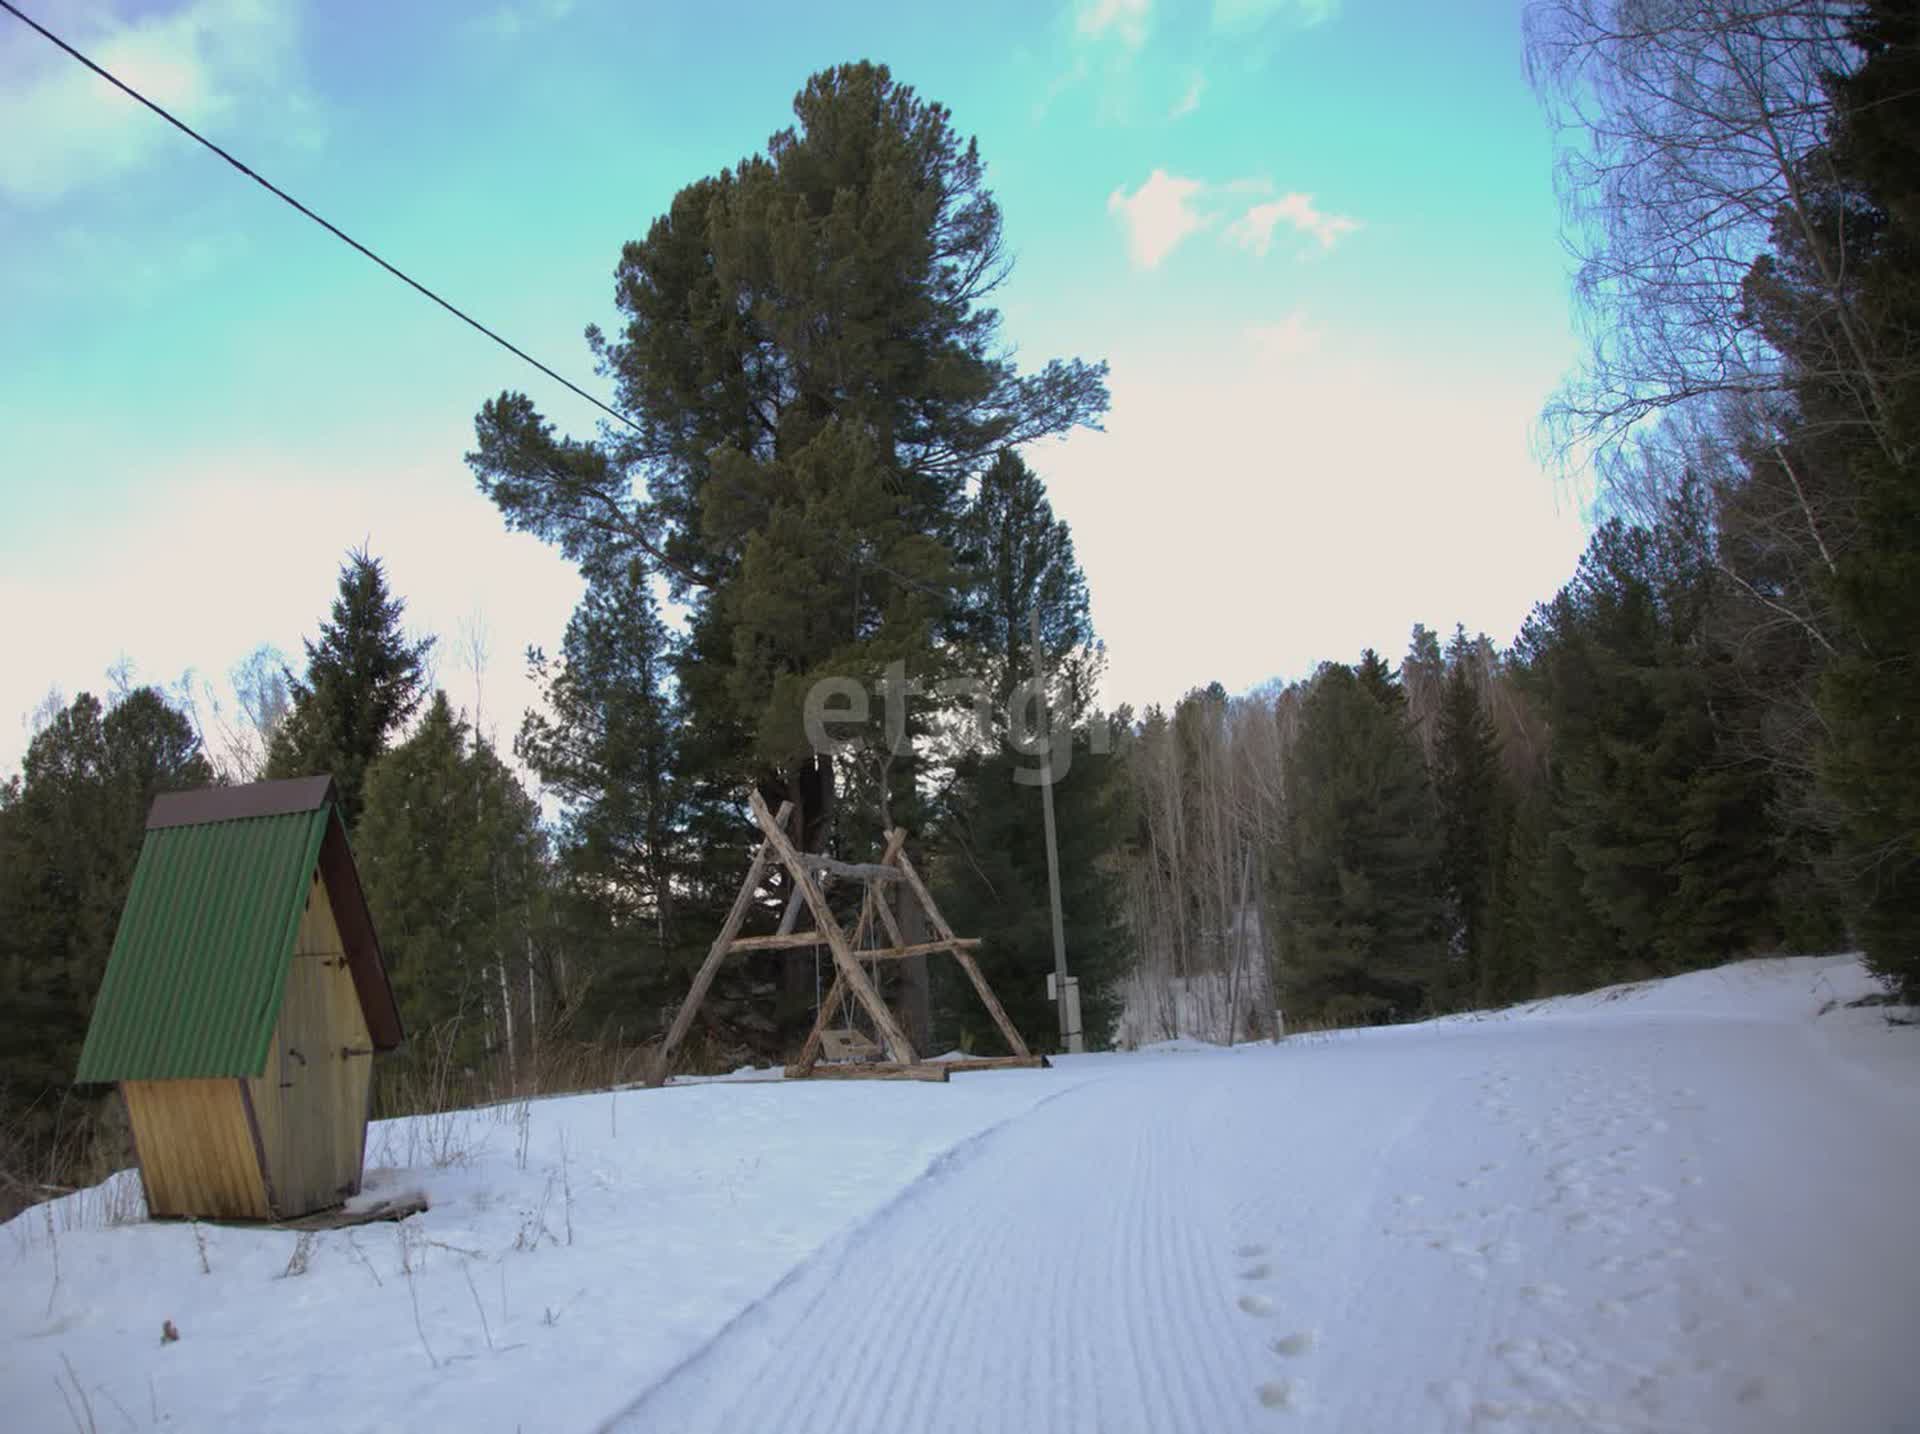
869, 953
918, 948
792, 913
265, 1098
896, 842
852, 870
197, 1155
998, 1063
259, 1146
874, 1070
896, 846
779, 941
898, 1046
350, 1071
843, 1045
919, 889
965, 958
393, 1207
303, 1179
730, 928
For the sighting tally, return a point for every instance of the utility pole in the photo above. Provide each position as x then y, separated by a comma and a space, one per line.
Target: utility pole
1066, 1002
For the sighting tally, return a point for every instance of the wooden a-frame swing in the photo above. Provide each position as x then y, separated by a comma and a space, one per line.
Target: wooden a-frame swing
848, 952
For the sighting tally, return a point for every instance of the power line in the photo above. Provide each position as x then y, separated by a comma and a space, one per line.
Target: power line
279, 193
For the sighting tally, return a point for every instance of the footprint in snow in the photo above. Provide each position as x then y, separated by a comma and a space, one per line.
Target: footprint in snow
1292, 1346
1248, 1252
1262, 1271
1282, 1394
1259, 1306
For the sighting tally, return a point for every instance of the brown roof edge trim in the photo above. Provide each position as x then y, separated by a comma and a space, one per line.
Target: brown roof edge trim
229, 804
364, 960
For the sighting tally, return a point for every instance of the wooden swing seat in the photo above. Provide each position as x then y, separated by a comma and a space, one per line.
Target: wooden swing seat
847, 1044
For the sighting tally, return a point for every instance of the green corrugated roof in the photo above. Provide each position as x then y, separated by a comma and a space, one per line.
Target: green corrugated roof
199, 964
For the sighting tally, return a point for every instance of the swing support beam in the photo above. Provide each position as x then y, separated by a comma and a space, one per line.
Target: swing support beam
807, 871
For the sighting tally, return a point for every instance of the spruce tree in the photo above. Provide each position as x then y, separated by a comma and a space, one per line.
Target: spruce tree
990, 873
1661, 854
1466, 781
1016, 558
991, 882
364, 679
1870, 696
1361, 933
452, 855
608, 745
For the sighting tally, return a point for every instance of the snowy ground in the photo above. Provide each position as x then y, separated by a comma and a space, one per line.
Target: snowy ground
1686, 1206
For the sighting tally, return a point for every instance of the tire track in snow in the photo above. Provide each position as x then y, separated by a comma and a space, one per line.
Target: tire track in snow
981, 1298
1602, 1239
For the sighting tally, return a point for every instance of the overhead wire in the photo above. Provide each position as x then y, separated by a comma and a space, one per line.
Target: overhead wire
332, 229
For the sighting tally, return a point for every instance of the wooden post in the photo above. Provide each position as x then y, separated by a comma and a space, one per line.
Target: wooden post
965, 958
898, 1046
874, 1070
703, 978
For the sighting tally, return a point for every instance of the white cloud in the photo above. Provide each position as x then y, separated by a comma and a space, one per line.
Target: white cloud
1168, 208
1066, 80
1253, 231
202, 61
1190, 101
1242, 16
1294, 337
1157, 216
1126, 19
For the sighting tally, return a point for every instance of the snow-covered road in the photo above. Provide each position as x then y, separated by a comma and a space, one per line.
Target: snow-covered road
1685, 1206
1679, 1213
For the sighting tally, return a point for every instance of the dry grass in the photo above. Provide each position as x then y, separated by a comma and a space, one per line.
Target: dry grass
82, 1159
80, 1162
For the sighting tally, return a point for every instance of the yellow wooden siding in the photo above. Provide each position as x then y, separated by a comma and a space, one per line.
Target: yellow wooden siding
196, 1150
312, 1106
352, 1073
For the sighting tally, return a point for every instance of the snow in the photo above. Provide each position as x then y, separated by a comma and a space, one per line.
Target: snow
1685, 1205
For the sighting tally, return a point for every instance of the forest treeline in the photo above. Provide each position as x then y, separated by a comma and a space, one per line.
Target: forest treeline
1697, 749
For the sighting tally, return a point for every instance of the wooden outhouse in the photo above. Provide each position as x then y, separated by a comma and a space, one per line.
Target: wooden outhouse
242, 1005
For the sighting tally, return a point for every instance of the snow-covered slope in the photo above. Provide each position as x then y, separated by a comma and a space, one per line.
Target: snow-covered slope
1682, 1206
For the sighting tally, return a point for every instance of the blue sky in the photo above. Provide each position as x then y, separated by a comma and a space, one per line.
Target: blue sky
1315, 238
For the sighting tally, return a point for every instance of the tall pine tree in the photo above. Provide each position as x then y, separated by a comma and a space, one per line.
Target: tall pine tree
815, 374
364, 679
